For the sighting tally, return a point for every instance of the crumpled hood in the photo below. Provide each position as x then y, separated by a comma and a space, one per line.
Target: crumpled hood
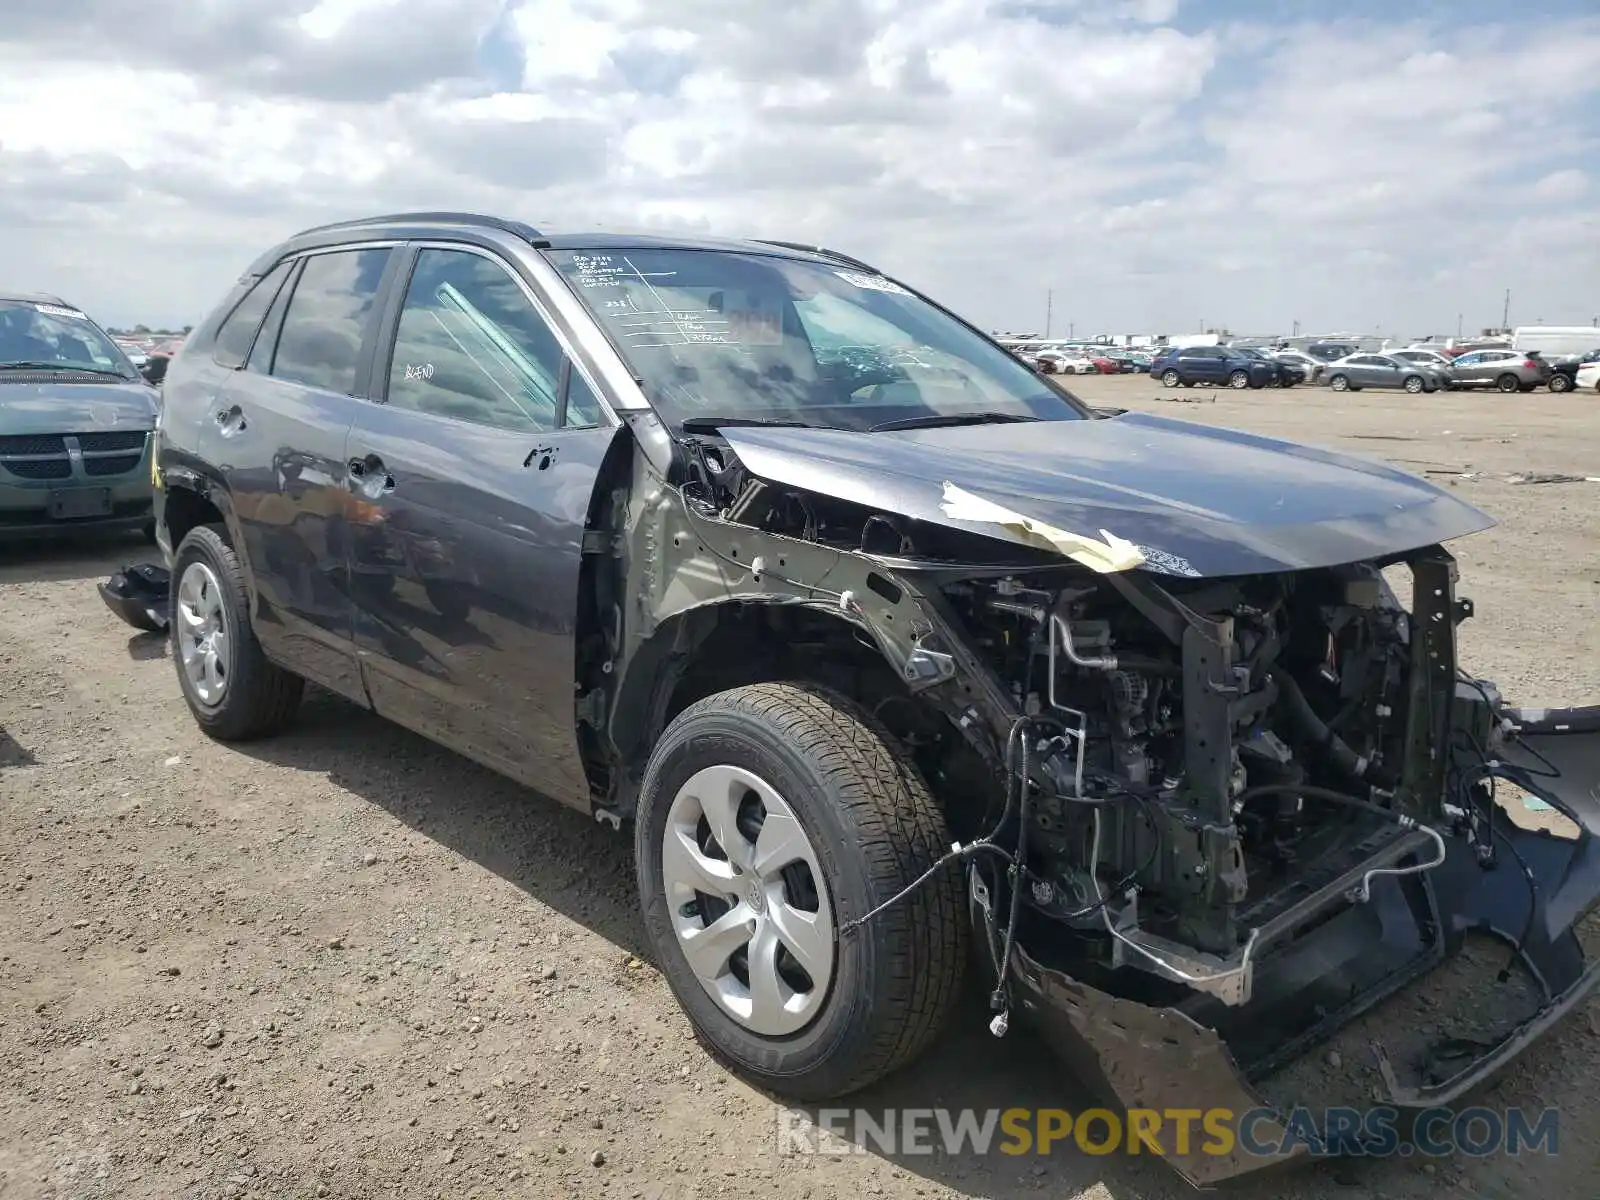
75, 407
1196, 500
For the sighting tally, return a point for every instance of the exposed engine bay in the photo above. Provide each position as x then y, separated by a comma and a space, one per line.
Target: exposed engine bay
1194, 750
1204, 821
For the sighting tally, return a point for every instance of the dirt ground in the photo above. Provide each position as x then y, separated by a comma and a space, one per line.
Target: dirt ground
347, 963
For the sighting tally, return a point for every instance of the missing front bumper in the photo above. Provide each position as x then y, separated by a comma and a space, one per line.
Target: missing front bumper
1532, 892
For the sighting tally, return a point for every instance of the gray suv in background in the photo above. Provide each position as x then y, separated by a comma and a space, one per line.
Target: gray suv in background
1503, 370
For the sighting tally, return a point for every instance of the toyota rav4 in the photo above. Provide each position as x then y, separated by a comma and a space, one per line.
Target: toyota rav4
891, 652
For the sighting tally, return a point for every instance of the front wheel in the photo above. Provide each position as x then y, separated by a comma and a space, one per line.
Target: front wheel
1239, 379
234, 692
1169, 378
1413, 384
1508, 383
1560, 383
770, 816
1339, 383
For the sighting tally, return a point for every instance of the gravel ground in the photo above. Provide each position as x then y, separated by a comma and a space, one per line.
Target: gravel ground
347, 963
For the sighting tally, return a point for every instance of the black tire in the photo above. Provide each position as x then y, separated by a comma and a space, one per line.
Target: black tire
1339, 383
261, 697
875, 829
148, 530
1414, 384
1561, 383
1508, 383
1170, 378
1239, 379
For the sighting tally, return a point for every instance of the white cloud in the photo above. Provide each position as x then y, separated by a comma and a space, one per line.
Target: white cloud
1154, 174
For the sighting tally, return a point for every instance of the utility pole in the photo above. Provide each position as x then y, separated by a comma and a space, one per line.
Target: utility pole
1072, 329
1049, 306
1458, 327
1505, 313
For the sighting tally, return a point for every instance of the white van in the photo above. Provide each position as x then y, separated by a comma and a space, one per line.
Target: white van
1555, 341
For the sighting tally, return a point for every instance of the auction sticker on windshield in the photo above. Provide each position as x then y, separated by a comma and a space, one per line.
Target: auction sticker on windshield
873, 283
56, 310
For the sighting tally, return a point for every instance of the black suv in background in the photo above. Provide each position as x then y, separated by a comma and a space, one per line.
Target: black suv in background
1220, 365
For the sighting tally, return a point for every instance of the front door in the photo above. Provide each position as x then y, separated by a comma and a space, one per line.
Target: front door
278, 433
474, 475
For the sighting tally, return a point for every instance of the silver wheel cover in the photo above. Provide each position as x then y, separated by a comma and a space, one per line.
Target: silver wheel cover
203, 634
760, 918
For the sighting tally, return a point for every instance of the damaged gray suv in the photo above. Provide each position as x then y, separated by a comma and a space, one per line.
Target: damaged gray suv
899, 659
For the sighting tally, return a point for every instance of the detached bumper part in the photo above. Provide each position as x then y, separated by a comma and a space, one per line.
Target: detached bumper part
139, 596
1195, 1053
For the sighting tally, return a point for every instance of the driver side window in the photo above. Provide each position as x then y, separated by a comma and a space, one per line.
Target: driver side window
471, 346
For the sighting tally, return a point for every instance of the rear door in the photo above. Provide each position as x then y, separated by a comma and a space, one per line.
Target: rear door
278, 435
474, 468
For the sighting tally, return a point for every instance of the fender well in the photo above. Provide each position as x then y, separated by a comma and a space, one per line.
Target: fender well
727, 644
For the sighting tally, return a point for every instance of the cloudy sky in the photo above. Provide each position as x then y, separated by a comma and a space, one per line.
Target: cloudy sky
1157, 163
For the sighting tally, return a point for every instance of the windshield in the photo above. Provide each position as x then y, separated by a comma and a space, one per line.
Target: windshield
722, 334
52, 335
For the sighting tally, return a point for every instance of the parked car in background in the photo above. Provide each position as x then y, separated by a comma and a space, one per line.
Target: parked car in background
1504, 370
1190, 365
1284, 374
1105, 364
1564, 370
1311, 367
75, 423
1067, 362
1330, 351
1422, 356
1587, 377
1357, 371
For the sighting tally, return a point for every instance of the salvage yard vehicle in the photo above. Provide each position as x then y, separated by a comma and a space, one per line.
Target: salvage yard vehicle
1190, 365
75, 422
1359, 371
891, 658
1504, 370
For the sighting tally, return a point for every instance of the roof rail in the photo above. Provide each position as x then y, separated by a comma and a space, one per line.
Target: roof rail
515, 228
822, 250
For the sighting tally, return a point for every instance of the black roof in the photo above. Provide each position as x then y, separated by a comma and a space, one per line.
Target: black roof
424, 224
34, 298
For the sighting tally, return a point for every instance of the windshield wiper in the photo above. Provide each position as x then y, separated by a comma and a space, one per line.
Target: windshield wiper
934, 420
712, 424
75, 368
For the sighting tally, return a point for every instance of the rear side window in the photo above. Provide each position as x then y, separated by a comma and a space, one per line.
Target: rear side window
320, 343
260, 360
238, 332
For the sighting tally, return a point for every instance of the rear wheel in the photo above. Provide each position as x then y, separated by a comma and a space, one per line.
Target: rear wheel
1508, 383
1340, 383
770, 816
234, 692
1169, 378
1413, 384
1560, 383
